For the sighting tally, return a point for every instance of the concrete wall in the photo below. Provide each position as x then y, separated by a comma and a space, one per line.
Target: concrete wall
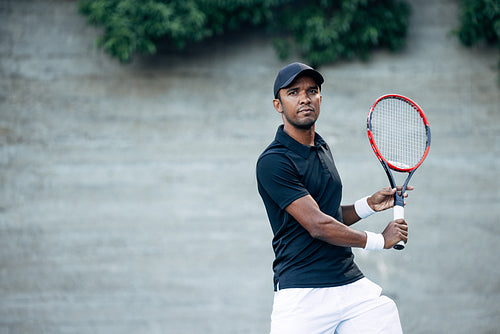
128, 201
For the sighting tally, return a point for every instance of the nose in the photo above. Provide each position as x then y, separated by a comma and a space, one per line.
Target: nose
304, 97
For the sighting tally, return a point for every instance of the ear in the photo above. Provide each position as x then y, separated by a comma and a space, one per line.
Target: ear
277, 105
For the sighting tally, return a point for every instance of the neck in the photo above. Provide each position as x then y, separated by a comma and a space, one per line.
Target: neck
303, 136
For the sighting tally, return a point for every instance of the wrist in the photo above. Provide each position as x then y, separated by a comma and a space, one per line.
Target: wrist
374, 241
363, 210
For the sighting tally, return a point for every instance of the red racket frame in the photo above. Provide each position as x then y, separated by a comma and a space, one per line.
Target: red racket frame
374, 145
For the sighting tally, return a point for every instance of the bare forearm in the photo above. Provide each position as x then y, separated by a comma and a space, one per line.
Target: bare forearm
324, 227
349, 215
339, 234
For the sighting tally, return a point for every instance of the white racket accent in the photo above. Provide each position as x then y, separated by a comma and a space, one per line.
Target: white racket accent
399, 213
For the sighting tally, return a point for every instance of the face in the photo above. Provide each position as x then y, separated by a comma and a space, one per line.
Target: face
299, 103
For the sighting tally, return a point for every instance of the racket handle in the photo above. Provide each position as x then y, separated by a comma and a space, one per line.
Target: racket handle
399, 213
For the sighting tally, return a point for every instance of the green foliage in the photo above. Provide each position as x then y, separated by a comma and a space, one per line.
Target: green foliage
137, 25
230, 15
480, 22
328, 30
320, 30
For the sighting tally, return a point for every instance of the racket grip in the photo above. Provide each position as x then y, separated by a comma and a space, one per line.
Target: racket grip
399, 213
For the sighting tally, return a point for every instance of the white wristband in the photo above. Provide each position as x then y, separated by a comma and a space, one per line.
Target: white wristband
374, 241
362, 208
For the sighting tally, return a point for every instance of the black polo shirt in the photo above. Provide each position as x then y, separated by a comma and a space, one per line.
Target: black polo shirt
286, 171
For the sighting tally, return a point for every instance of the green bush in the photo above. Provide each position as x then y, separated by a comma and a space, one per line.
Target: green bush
480, 23
137, 25
325, 31
320, 30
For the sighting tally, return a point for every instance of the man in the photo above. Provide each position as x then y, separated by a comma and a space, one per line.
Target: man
318, 287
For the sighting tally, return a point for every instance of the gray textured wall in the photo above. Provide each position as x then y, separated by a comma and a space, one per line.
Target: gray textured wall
127, 193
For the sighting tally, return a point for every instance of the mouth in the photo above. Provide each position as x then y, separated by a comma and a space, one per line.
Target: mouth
306, 111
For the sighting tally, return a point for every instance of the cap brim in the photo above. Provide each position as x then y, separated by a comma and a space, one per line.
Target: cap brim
317, 77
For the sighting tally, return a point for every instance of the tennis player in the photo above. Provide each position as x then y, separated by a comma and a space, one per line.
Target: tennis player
318, 287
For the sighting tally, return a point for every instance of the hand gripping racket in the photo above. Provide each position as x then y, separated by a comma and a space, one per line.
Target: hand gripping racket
400, 137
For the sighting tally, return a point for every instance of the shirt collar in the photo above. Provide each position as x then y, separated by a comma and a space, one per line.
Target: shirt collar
293, 145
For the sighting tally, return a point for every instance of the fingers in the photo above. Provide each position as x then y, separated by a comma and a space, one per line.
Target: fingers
392, 191
384, 198
399, 188
395, 231
402, 228
402, 224
389, 190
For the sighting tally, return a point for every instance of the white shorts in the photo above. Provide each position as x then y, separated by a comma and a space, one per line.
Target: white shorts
349, 309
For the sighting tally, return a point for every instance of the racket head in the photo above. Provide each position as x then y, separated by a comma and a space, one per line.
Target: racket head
398, 132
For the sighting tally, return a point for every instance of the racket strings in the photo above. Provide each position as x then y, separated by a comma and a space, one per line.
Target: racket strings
399, 132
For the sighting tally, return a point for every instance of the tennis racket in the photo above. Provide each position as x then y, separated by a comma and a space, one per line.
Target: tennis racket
400, 136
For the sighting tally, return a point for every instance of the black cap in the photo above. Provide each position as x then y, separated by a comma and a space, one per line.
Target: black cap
288, 73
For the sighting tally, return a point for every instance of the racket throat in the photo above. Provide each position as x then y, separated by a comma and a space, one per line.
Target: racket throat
398, 201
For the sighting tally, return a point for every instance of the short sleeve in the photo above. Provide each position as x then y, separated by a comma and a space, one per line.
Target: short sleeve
278, 177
